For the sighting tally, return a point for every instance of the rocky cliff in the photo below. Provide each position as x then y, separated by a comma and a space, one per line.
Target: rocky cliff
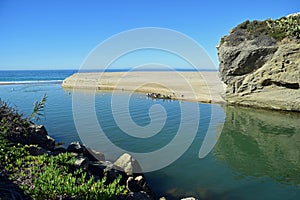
260, 63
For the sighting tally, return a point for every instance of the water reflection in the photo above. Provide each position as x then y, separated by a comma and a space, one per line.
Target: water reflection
261, 143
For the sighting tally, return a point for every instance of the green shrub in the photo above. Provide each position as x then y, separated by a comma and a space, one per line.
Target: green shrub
46, 177
11, 122
285, 27
52, 179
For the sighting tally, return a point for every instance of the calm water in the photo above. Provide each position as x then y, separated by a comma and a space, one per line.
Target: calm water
35, 76
257, 155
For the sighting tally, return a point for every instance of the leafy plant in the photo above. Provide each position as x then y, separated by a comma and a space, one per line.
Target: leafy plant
284, 27
38, 109
11, 122
52, 177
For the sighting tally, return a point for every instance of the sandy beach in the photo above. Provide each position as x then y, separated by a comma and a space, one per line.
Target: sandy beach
189, 86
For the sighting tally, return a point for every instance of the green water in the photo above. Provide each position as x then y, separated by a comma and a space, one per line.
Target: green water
257, 155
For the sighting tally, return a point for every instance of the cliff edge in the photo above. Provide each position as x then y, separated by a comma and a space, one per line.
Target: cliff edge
260, 63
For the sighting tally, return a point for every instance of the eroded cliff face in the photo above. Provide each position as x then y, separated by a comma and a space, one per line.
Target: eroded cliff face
260, 70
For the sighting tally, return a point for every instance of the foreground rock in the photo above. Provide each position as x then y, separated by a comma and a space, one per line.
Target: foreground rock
260, 69
35, 135
126, 166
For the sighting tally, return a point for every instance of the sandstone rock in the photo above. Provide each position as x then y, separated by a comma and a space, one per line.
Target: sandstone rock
128, 164
260, 71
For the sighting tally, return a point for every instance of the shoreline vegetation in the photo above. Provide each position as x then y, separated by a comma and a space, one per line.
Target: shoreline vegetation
205, 87
34, 166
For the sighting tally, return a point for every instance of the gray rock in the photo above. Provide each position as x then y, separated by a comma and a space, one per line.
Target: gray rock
76, 147
58, 150
39, 136
97, 168
107, 169
82, 163
128, 164
189, 198
137, 196
94, 155
38, 129
37, 151
138, 184
111, 174
132, 185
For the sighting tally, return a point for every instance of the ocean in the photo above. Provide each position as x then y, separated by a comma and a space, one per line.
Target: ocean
255, 154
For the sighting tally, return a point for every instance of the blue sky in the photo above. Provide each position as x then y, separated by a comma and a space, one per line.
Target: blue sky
59, 34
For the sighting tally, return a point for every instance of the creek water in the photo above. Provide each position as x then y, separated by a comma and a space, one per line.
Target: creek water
256, 153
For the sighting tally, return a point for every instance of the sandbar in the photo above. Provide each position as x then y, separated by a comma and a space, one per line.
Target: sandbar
203, 87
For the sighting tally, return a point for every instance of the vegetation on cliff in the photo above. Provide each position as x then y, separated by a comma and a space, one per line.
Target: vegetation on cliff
24, 176
278, 29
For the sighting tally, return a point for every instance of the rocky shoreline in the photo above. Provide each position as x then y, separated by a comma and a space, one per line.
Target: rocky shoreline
93, 163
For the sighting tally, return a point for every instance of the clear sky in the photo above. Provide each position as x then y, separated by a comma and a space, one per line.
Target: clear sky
59, 34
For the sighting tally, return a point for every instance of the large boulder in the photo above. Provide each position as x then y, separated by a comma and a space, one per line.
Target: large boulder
260, 70
127, 164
